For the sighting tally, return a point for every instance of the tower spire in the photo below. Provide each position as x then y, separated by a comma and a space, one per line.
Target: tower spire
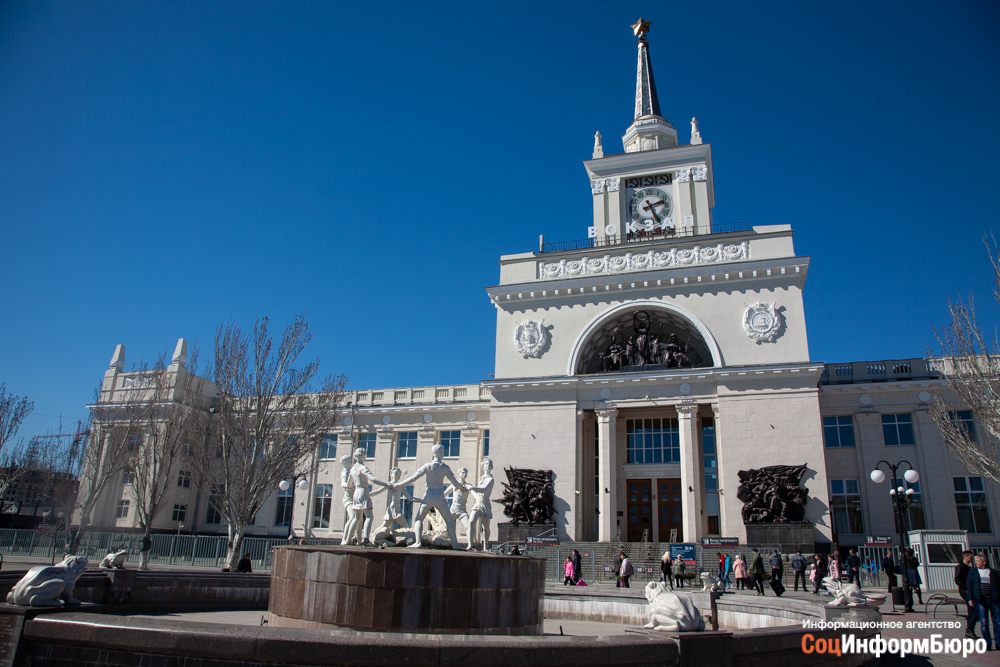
646, 103
649, 130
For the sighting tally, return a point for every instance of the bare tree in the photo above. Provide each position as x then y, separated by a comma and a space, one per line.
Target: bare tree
972, 367
13, 410
269, 417
119, 418
174, 417
20, 472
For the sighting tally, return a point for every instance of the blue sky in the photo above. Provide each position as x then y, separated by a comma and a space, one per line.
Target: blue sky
166, 166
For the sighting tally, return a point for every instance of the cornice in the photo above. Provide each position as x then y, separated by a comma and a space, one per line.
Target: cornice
631, 163
684, 280
666, 377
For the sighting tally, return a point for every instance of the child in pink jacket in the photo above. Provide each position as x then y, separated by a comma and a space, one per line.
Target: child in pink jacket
568, 569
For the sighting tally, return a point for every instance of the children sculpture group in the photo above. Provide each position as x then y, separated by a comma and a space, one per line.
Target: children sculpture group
356, 478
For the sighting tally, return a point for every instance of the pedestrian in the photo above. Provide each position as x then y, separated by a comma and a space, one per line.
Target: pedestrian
962, 579
577, 567
777, 573
983, 585
244, 565
889, 567
834, 568
822, 570
626, 569
679, 572
799, 568
853, 563
757, 571
727, 567
912, 575
618, 569
568, 571
515, 551
740, 572
666, 571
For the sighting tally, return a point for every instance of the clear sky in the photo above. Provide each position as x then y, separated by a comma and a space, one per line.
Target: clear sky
166, 166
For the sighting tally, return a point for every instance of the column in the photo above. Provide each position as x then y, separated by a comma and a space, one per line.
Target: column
655, 533
578, 487
608, 474
385, 459
692, 475
723, 525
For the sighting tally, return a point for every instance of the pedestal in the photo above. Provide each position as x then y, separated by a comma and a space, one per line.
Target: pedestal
785, 537
429, 591
518, 532
12, 618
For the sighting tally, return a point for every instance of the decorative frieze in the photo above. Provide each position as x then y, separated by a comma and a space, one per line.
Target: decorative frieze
611, 184
700, 173
683, 175
648, 181
597, 187
645, 261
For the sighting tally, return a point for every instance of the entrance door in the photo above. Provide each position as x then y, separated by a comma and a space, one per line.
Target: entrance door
640, 510
670, 509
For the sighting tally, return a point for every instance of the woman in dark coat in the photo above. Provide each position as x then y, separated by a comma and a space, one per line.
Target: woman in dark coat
577, 567
667, 570
822, 570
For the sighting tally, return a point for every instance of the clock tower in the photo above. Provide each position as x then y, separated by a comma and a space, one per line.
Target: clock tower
656, 187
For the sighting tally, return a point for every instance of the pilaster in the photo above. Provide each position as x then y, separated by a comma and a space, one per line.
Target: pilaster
607, 475
719, 465
692, 476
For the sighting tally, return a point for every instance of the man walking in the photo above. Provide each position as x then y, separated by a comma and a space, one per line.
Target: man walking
889, 567
757, 571
799, 568
626, 569
983, 585
962, 579
853, 568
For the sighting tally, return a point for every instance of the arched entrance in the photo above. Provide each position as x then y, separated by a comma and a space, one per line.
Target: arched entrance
647, 335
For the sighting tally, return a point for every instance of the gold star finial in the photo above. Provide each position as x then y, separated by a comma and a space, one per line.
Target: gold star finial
640, 27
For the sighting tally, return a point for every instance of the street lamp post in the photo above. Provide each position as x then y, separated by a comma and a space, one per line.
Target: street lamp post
302, 484
901, 499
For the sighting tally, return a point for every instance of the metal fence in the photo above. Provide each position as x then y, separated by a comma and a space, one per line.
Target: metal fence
192, 550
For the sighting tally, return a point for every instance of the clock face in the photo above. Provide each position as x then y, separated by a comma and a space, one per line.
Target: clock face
649, 205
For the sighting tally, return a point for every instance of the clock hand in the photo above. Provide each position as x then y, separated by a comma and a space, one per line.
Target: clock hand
649, 207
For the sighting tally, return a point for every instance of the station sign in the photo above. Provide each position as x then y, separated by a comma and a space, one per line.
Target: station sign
548, 539
878, 541
685, 551
720, 541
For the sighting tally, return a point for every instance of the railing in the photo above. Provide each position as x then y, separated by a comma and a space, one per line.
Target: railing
881, 371
643, 237
191, 550
420, 395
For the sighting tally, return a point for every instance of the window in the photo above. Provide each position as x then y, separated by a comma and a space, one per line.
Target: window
328, 447
133, 443
845, 505
188, 449
406, 445
126, 477
406, 507
450, 442
963, 419
184, 479
321, 506
898, 430
711, 475
915, 512
122, 510
838, 431
653, 441
212, 516
486, 442
180, 512
970, 500
366, 441
283, 507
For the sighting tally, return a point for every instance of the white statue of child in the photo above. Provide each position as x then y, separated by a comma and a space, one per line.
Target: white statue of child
435, 472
